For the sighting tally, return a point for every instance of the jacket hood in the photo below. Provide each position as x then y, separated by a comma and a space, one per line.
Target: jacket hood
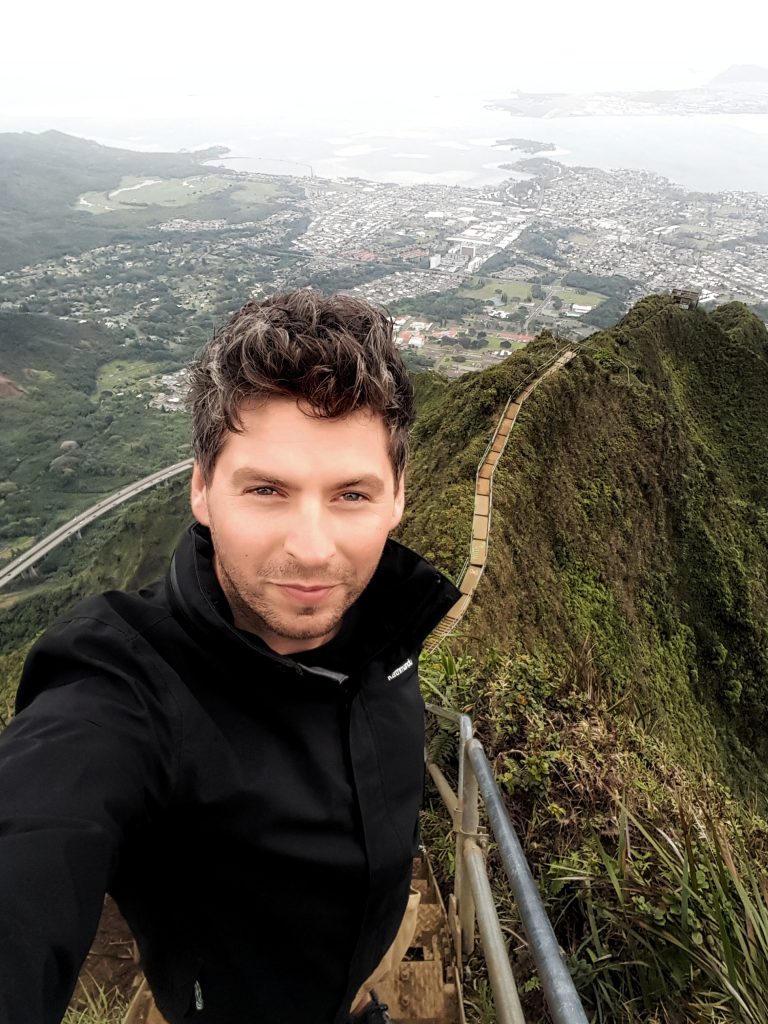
403, 602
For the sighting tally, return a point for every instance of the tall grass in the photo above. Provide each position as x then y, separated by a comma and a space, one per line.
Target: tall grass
677, 925
97, 1007
659, 897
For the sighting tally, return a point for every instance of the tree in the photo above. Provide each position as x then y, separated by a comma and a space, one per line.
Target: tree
557, 302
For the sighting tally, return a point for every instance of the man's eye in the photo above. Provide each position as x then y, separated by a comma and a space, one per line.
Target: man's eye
353, 497
267, 491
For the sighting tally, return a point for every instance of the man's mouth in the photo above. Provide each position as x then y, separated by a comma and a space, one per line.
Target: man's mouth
305, 594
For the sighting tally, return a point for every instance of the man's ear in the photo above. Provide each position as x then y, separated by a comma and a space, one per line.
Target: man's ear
198, 496
397, 512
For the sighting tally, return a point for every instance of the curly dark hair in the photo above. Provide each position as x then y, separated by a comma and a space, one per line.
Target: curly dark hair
336, 354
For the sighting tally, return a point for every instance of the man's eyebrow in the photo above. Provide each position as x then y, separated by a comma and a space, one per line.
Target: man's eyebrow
245, 474
371, 482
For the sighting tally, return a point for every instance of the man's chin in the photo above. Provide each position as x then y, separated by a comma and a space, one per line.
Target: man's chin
319, 628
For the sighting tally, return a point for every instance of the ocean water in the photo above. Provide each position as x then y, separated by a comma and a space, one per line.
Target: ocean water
449, 143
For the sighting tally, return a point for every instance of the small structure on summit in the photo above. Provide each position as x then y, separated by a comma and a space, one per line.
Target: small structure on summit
688, 298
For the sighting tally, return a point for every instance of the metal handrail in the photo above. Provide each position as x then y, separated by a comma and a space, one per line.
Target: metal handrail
472, 893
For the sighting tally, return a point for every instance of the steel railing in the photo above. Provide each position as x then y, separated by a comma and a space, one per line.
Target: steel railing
472, 900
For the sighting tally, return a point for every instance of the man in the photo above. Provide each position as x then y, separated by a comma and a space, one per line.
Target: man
236, 752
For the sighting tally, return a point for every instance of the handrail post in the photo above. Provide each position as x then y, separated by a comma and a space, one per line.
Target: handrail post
468, 820
473, 895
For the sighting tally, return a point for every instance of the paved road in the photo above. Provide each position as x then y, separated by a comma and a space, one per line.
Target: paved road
39, 550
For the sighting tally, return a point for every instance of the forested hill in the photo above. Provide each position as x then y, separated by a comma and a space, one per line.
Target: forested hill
43, 175
630, 517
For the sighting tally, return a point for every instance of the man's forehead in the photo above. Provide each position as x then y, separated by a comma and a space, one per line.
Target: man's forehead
283, 420
274, 405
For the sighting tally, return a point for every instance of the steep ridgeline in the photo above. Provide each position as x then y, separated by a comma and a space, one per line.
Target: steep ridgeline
630, 518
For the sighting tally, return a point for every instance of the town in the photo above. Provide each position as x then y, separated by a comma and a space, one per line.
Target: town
468, 273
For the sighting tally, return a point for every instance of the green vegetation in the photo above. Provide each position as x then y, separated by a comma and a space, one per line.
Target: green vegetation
580, 298
45, 174
80, 426
539, 242
101, 1008
493, 289
527, 145
127, 548
190, 197
615, 287
343, 278
123, 373
507, 294
652, 874
439, 306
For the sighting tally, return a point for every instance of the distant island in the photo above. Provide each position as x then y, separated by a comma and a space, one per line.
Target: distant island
527, 145
740, 89
738, 73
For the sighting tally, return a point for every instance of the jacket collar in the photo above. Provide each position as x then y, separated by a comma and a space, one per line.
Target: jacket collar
403, 602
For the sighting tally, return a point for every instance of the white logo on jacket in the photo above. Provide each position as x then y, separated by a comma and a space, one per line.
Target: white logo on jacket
400, 669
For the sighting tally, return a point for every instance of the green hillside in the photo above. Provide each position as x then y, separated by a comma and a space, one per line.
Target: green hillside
67, 439
43, 175
629, 512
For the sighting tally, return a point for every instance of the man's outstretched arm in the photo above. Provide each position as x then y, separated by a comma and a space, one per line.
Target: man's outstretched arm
84, 762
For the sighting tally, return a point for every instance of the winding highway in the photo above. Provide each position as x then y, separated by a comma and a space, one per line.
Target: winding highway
41, 549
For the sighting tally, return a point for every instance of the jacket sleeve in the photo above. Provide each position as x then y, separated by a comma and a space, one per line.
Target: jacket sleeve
88, 759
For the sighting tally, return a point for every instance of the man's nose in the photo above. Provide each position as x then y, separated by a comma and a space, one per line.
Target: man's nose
310, 539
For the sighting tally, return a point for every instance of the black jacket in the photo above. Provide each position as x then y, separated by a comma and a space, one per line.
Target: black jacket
253, 815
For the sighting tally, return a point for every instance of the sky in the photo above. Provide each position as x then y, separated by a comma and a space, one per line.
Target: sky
165, 59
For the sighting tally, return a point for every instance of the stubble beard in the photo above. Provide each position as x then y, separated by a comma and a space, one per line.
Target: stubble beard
253, 611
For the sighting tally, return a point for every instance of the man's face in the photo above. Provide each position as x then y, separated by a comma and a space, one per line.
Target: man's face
299, 509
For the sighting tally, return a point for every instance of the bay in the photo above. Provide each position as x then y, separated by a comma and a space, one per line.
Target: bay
448, 142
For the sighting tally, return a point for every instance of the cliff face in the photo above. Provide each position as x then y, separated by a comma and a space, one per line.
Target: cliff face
629, 515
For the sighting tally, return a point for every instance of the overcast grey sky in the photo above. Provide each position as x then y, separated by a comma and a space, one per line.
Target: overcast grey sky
142, 58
